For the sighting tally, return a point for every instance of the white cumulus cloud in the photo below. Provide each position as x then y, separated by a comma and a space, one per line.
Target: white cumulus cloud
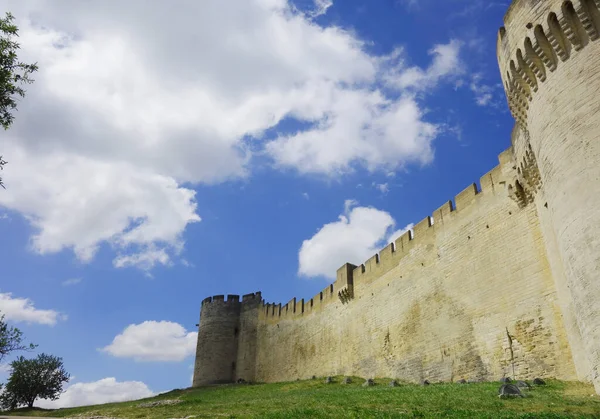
123, 120
87, 201
357, 235
153, 341
446, 63
321, 7
106, 390
362, 128
485, 94
23, 310
384, 188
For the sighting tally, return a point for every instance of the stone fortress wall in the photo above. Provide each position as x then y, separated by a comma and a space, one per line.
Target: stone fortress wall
504, 280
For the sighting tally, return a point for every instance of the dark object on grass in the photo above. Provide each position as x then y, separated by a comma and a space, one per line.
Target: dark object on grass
241, 381
328, 380
509, 390
426, 383
523, 385
463, 381
347, 380
539, 382
393, 383
369, 382
314, 377
506, 380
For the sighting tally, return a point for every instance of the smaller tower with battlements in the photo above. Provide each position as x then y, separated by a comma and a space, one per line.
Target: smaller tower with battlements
219, 338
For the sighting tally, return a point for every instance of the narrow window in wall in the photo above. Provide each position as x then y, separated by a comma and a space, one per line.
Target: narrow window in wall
236, 332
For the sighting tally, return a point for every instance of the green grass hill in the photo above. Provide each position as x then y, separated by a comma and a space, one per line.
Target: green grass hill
315, 399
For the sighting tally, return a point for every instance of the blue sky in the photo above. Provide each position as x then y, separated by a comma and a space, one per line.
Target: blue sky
233, 147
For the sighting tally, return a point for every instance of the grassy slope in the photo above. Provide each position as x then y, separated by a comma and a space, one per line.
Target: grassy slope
315, 399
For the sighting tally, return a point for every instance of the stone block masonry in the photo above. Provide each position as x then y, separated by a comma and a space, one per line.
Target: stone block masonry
503, 280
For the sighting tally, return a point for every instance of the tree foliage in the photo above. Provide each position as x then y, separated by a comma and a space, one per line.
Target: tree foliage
2, 163
31, 379
13, 74
11, 340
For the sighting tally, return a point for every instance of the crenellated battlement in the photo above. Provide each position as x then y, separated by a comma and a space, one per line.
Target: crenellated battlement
423, 232
297, 308
537, 37
220, 299
252, 297
499, 180
232, 299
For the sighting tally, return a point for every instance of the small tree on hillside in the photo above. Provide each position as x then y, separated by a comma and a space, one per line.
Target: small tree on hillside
32, 379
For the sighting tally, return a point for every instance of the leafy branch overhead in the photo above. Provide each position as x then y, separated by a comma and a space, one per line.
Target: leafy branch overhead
13, 74
11, 340
2, 163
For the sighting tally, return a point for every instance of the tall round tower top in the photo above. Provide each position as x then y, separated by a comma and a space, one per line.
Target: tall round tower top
538, 35
520, 22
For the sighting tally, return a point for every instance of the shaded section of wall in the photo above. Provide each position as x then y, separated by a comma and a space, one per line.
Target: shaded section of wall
217, 347
246, 356
468, 295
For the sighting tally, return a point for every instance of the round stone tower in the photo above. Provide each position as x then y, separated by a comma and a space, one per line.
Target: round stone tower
549, 57
217, 347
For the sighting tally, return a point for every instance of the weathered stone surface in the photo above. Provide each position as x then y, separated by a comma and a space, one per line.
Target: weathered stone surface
470, 320
509, 390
